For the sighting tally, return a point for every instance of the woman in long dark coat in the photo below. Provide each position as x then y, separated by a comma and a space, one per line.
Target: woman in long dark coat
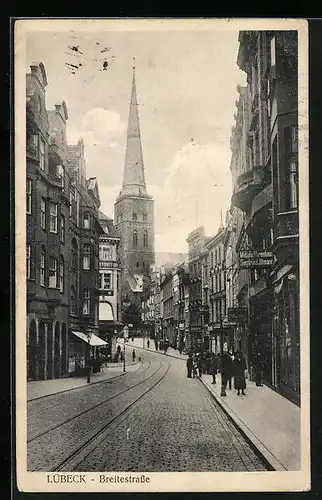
239, 373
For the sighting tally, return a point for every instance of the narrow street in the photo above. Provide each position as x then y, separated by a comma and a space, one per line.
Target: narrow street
154, 419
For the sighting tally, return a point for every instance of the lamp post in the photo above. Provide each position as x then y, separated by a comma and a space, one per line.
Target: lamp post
89, 335
125, 337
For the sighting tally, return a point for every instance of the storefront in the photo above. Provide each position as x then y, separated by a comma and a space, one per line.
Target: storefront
83, 351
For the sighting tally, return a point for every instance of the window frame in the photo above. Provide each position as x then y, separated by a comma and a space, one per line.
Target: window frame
103, 281
62, 229
61, 274
52, 269
73, 308
29, 197
43, 215
135, 238
86, 301
43, 267
53, 218
42, 151
87, 256
87, 218
145, 238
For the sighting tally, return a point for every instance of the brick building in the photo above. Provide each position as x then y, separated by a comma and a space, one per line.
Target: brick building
57, 197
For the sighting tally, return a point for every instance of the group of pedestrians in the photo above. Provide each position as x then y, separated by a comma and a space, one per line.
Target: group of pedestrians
229, 365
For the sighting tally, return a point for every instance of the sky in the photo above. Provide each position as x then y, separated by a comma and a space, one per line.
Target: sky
186, 86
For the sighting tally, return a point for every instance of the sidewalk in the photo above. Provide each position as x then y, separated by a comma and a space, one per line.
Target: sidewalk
138, 343
41, 388
270, 421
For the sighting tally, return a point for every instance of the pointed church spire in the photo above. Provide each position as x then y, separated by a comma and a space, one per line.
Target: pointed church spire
133, 176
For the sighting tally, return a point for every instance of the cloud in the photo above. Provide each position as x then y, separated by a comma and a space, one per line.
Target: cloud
196, 188
103, 123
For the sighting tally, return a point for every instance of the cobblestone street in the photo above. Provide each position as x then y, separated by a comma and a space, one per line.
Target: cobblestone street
152, 420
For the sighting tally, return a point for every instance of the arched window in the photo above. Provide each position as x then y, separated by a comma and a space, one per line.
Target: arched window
72, 300
135, 238
145, 239
86, 220
61, 274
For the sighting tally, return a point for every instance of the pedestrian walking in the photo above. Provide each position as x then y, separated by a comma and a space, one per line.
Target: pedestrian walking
148, 344
226, 371
133, 355
200, 362
189, 366
213, 368
258, 365
232, 357
239, 373
194, 366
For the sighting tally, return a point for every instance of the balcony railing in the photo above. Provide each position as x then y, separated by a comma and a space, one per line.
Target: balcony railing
286, 225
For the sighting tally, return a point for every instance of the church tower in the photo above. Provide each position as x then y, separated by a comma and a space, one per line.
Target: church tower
134, 218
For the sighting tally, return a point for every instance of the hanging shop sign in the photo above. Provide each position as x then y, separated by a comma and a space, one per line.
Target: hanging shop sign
237, 314
252, 259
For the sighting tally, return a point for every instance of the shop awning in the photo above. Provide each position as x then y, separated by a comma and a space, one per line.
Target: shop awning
94, 340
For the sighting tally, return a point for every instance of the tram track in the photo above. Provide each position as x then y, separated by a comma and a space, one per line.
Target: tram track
82, 452
56, 433
93, 406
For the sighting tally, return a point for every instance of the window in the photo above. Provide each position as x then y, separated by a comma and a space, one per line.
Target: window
61, 175
73, 300
105, 253
135, 217
29, 196
42, 267
291, 149
52, 282
53, 217
145, 216
28, 262
145, 239
62, 229
43, 213
86, 256
74, 254
70, 203
135, 238
61, 274
86, 220
42, 154
273, 51
106, 283
87, 301
33, 144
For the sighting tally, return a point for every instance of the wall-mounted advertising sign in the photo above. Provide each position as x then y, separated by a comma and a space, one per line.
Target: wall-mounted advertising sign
253, 259
237, 314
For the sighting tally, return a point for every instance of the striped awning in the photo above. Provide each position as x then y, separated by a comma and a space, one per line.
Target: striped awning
93, 341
